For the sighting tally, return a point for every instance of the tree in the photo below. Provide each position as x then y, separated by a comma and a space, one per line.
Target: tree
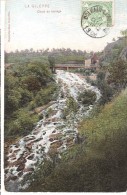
87, 97
51, 60
118, 74
105, 89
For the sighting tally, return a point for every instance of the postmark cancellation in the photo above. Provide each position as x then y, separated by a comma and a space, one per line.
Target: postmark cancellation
97, 18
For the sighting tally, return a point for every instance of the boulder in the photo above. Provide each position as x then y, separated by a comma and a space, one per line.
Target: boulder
26, 153
56, 136
51, 139
54, 119
29, 138
13, 177
35, 132
22, 160
20, 173
52, 151
13, 155
54, 131
56, 144
30, 157
29, 146
21, 167
38, 139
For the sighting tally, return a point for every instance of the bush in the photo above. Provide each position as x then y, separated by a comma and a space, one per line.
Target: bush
87, 97
21, 124
71, 107
118, 74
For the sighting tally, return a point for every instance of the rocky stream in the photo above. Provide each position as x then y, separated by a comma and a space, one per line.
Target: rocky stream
53, 133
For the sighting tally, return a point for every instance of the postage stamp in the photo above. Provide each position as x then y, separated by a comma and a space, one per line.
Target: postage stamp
97, 18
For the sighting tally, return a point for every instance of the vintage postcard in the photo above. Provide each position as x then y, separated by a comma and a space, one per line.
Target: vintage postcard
65, 74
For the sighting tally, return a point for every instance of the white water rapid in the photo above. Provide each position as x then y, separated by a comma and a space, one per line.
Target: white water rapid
52, 134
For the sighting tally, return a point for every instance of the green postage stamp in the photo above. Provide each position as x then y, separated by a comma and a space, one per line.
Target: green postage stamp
97, 17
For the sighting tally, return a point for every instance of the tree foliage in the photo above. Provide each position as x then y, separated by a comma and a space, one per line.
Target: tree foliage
27, 86
87, 97
118, 74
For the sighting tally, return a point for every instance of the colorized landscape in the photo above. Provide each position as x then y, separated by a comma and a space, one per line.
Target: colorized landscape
65, 119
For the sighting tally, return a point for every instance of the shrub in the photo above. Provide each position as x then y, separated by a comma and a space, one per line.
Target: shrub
21, 124
71, 107
87, 97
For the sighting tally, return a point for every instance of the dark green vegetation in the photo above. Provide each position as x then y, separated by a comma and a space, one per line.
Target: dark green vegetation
61, 55
99, 164
71, 107
27, 86
87, 97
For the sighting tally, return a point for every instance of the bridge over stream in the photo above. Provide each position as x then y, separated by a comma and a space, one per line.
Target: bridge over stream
75, 66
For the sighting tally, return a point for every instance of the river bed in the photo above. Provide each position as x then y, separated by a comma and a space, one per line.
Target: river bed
52, 134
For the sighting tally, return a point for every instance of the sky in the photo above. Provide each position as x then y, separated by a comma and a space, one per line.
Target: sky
28, 27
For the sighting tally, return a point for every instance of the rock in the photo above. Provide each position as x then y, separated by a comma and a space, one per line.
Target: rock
5, 146
29, 146
16, 145
54, 119
11, 164
26, 154
20, 167
56, 136
46, 123
13, 158
13, 155
20, 173
22, 160
6, 158
51, 139
70, 139
35, 132
37, 140
13, 177
52, 151
70, 142
54, 131
17, 150
30, 157
10, 151
29, 138
56, 144
6, 171
8, 179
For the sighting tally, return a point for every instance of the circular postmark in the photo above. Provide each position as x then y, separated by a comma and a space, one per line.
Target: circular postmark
96, 20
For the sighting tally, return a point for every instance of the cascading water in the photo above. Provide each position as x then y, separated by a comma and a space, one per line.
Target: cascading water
52, 134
